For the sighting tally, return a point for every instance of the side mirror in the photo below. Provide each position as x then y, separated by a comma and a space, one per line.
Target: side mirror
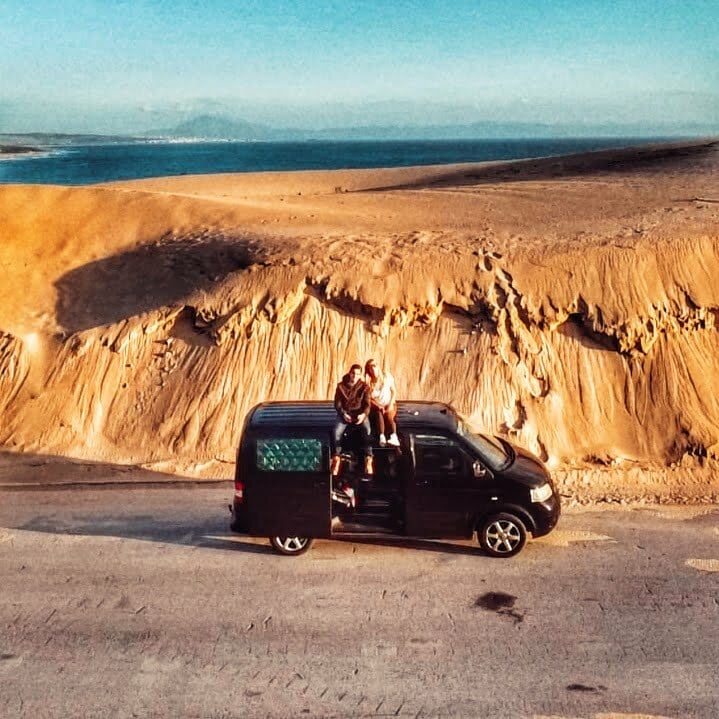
479, 470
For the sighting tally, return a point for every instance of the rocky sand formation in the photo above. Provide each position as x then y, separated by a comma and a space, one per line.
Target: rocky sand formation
569, 304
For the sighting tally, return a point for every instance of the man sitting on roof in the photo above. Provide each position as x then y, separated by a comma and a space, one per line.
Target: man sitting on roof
352, 402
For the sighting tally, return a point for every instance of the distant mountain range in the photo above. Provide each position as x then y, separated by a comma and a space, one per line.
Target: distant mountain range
215, 127
218, 127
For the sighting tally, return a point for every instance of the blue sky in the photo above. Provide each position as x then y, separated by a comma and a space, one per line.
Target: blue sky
113, 64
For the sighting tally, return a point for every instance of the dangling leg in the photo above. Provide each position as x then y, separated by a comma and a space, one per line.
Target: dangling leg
365, 434
389, 418
377, 416
336, 461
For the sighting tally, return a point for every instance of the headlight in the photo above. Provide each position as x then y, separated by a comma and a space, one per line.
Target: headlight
541, 493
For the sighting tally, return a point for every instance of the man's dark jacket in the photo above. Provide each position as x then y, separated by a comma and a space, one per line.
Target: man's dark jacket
352, 399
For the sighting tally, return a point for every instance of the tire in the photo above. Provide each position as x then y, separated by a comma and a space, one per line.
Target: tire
502, 535
291, 546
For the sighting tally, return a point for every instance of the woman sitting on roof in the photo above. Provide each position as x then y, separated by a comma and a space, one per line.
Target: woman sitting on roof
383, 398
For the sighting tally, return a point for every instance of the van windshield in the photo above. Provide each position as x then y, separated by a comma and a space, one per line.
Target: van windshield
497, 454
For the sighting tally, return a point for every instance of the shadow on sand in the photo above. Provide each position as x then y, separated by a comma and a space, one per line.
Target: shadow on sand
212, 533
642, 158
149, 277
22, 471
425, 545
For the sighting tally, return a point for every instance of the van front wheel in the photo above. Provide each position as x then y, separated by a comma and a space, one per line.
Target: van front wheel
291, 546
502, 535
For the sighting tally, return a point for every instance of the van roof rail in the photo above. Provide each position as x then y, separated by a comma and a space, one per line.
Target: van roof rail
321, 414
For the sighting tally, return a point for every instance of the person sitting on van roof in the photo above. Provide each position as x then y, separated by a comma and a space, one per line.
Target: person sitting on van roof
383, 398
352, 402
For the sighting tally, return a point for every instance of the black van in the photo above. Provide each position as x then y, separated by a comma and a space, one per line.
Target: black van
443, 481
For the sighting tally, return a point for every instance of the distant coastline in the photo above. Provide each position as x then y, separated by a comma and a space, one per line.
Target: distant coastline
9, 151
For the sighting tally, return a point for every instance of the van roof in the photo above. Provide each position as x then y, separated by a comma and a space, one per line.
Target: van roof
322, 414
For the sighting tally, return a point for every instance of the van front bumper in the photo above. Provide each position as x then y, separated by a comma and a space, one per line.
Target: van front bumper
546, 515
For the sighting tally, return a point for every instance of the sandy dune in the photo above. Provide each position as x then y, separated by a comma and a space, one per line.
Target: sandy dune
568, 303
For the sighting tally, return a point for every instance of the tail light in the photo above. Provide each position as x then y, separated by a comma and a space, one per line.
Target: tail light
239, 491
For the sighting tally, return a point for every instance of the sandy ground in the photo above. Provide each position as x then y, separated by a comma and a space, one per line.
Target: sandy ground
568, 304
128, 602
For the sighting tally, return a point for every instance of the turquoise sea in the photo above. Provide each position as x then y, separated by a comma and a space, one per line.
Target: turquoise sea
88, 164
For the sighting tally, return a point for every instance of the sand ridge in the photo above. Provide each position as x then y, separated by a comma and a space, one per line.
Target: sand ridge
567, 303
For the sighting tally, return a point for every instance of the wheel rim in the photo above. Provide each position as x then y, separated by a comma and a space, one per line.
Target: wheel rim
503, 536
292, 544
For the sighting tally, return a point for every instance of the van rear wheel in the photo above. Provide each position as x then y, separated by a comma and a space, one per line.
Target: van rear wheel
502, 535
291, 546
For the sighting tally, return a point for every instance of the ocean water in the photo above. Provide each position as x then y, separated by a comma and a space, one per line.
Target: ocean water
88, 164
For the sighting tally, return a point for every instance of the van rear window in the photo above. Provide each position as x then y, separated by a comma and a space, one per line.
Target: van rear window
290, 454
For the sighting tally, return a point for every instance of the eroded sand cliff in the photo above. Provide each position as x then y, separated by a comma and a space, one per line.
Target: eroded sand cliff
569, 303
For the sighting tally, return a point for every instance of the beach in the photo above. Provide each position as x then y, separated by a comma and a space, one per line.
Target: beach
568, 304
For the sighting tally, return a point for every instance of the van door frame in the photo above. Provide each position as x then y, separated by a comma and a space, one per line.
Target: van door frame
434, 510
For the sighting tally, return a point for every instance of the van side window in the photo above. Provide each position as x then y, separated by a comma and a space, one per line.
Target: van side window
440, 459
289, 454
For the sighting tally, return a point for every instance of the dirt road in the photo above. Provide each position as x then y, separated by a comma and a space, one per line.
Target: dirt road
139, 603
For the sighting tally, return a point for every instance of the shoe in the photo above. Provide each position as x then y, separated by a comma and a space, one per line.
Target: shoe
393, 440
382, 441
369, 465
335, 465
